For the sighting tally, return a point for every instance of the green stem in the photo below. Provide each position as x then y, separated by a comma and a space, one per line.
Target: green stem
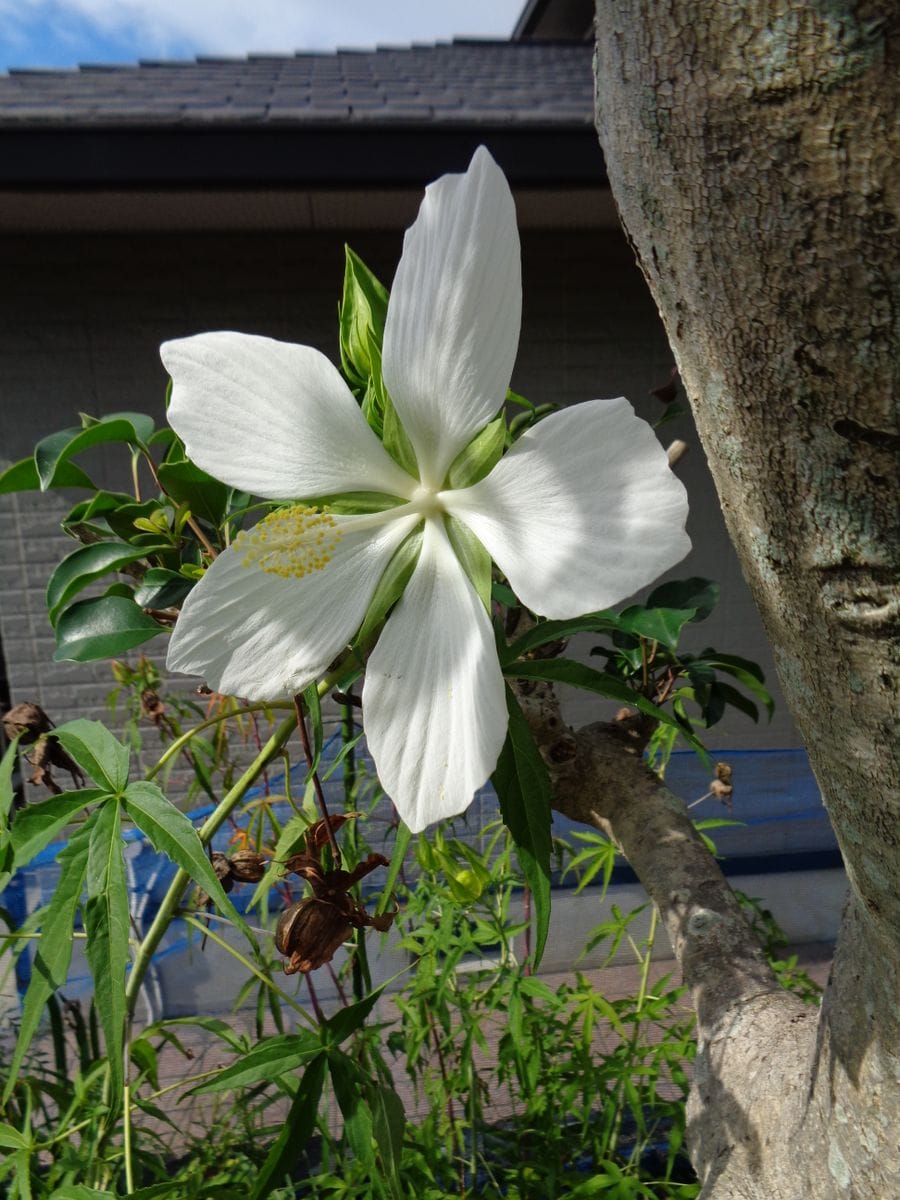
214, 821
126, 1139
180, 742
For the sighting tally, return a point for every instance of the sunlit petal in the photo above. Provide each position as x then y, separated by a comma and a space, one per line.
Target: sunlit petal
433, 700
453, 319
582, 512
257, 626
273, 419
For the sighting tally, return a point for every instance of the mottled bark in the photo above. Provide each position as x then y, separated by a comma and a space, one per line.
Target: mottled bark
749, 150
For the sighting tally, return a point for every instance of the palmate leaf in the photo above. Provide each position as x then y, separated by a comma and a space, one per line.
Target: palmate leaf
172, 834
96, 750
523, 789
37, 825
54, 949
106, 925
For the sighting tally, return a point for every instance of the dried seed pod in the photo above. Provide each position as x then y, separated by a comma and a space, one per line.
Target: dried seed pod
309, 934
247, 866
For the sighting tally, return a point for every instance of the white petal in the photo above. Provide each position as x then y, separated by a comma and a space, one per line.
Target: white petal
454, 314
262, 636
582, 512
433, 702
273, 419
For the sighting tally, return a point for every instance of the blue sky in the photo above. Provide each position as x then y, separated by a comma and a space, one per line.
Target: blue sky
63, 33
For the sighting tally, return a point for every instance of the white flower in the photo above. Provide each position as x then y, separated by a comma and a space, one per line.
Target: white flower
580, 513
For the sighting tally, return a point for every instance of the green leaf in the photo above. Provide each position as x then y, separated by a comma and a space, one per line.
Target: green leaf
362, 314
388, 1127
38, 824
267, 1060
480, 456
402, 838
744, 671
79, 1191
187, 484
125, 520
96, 750
106, 925
566, 670
82, 567
54, 949
476, 562
349, 1084
103, 628
161, 588
390, 587
12, 1138
23, 477
658, 624
554, 631
171, 833
296, 1131
52, 452
347, 1020
702, 595
523, 789
7, 766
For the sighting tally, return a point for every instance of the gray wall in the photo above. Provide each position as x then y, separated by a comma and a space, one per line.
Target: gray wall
81, 319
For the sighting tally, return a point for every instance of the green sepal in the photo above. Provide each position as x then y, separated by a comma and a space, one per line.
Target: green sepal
476, 562
393, 435
354, 503
390, 588
480, 456
361, 314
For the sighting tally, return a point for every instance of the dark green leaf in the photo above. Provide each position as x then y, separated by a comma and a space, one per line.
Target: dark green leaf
121, 520
23, 477
96, 750
52, 452
54, 949
79, 1191
273, 1057
523, 789
388, 1127
171, 833
187, 484
349, 1083
553, 631
347, 1020
390, 587
744, 671
103, 628
296, 1131
476, 562
161, 588
12, 1139
82, 567
38, 824
480, 456
702, 595
659, 624
106, 925
565, 670
7, 793
402, 839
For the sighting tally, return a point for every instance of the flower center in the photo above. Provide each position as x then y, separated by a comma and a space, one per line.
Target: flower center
291, 542
426, 502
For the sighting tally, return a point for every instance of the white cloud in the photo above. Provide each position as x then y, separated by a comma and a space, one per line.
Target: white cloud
161, 27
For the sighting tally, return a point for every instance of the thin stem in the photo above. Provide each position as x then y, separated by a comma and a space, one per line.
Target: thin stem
180, 742
126, 1139
192, 524
214, 821
248, 965
316, 781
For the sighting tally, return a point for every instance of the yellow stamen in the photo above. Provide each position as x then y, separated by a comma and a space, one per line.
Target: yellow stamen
291, 542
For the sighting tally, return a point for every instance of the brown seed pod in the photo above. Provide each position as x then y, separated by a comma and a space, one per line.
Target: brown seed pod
309, 934
247, 866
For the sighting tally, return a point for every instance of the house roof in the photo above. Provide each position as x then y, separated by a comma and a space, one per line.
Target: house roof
350, 119
464, 82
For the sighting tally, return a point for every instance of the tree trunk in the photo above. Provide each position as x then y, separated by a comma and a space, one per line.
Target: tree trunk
748, 148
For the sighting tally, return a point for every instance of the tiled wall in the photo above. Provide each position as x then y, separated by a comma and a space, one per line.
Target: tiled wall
81, 319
